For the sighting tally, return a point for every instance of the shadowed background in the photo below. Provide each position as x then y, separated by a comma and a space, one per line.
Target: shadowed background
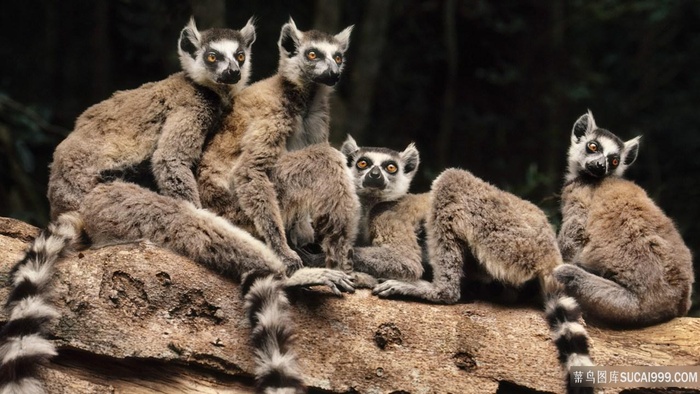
492, 87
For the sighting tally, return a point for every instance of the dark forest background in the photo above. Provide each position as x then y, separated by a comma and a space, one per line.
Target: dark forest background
490, 86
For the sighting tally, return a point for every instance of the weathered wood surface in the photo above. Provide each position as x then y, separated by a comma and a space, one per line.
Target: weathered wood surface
139, 319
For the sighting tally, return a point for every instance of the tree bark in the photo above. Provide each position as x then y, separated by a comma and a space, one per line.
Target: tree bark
139, 319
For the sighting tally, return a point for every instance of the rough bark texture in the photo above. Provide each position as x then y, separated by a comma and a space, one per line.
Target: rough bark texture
139, 319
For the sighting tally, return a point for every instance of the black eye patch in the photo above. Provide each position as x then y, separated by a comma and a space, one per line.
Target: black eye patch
363, 163
315, 54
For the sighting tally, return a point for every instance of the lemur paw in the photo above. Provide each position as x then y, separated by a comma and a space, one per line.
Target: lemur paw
292, 260
567, 274
337, 281
389, 288
364, 281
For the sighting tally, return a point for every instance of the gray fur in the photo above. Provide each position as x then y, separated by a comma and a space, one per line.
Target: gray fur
271, 169
169, 121
22, 344
512, 242
295, 64
628, 264
267, 308
162, 125
511, 238
125, 212
388, 247
462, 215
586, 164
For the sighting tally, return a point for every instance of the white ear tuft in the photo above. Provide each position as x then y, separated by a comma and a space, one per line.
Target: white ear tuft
343, 38
349, 147
248, 32
583, 125
192, 26
410, 158
290, 37
189, 42
629, 154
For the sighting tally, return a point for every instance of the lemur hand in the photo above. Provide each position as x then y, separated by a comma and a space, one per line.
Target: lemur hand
337, 281
291, 259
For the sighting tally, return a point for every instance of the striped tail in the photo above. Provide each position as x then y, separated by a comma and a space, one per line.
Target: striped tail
22, 345
267, 307
570, 337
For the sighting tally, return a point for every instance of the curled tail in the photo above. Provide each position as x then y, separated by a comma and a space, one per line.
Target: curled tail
267, 308
22, 345
569, 335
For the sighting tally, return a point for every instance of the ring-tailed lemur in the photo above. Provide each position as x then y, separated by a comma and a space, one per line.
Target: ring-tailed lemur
138, 213
271, 167
629, 264
473, 229
157, 130
389, 246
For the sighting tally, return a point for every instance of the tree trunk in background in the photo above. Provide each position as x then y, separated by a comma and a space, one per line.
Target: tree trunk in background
101, 52
327, 15
557, 140
209, 13
369, 42
447, 126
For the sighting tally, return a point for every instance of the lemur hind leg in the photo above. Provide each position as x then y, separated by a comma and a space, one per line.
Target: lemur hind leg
125, 211
446, 253
314, 183
70, 182
446, 259
510, 238
601, 298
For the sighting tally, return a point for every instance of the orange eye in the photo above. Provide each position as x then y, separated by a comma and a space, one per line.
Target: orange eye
311, 55
593, 147
615, 162
362, 164
338, 59
211, 57
240, 57
391, 168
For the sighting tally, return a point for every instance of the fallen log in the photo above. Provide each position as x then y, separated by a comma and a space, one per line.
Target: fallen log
140, 319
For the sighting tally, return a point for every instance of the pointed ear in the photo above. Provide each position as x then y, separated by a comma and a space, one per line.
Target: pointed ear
248, 32
343, 38
583, 126
629, 155
349, 147
410, 158
290, 38
189, 39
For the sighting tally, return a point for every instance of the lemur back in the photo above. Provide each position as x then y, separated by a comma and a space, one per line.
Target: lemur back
390, 245
163, 124
474, 231
271, 167
628, 264
160, 127
170, 126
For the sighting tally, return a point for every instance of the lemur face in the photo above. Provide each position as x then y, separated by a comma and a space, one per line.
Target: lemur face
596, 153
312, 56
217, 56
380, 173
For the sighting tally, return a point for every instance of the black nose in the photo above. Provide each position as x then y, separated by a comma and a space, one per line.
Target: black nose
329, 78
596, 168
374, 179
230, 76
